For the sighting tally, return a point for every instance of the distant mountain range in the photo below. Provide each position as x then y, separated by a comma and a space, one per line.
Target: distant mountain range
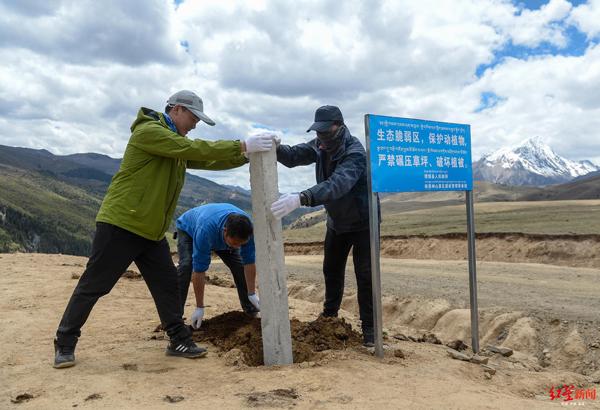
531, 163
48, 202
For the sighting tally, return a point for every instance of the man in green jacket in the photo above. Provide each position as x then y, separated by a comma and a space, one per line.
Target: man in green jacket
138, 209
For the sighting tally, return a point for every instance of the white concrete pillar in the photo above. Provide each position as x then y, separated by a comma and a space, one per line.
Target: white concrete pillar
270, 262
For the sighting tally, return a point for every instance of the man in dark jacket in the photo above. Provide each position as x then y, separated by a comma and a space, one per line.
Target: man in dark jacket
342, 188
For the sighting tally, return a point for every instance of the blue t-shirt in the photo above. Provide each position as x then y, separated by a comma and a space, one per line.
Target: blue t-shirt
205, 225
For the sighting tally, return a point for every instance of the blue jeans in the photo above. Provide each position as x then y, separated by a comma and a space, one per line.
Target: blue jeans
232, 259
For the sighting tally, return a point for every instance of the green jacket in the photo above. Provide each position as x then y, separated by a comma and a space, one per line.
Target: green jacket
143, 194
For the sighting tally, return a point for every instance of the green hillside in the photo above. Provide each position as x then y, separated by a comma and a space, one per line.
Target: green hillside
48, 202
44, 214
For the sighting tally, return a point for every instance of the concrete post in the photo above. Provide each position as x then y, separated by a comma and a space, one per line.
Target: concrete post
270, 263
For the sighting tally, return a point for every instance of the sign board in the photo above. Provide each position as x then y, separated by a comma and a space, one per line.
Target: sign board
410, 155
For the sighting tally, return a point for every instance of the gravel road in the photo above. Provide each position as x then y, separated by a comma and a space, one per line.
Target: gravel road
544, 290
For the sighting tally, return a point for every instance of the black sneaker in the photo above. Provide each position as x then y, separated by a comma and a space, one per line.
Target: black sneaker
255, 315
368, 337
187, 349
326, 314
64, 356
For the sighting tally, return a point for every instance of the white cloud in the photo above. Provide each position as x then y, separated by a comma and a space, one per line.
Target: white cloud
586, 17
84, 31
532, 27
74, 74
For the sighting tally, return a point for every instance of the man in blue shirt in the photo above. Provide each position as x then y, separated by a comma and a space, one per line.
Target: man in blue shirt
226, 230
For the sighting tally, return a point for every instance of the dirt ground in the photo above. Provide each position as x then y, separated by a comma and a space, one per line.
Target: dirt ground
544, 290
543, 305
121, 361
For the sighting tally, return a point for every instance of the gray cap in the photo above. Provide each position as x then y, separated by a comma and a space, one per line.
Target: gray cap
192, 102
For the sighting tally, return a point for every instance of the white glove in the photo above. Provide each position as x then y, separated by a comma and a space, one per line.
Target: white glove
285, 204
197, 317
253, 298
259, 143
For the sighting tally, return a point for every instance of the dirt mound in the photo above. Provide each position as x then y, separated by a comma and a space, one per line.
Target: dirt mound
236, 330
539, 341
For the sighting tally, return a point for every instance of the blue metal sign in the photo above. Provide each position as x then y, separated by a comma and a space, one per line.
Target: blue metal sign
410, 155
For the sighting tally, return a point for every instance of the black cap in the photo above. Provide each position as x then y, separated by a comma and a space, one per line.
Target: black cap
324, 118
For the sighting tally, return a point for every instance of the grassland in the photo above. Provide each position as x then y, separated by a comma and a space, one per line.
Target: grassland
574, 217
46, 214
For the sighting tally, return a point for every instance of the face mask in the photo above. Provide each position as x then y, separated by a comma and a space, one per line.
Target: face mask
330, 141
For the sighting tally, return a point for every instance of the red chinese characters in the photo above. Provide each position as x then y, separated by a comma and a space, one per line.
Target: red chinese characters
569, 393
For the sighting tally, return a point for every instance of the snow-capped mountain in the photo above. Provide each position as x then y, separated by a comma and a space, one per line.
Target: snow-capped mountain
530, 163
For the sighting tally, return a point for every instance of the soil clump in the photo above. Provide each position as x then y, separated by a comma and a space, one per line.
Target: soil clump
237, 330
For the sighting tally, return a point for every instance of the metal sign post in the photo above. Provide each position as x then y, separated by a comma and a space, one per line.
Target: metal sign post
410, 155
472, 272
375, 270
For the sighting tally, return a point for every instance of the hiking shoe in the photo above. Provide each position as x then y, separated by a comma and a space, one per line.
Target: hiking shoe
325, 314
64, 356
187, 349
255, 315
368, 337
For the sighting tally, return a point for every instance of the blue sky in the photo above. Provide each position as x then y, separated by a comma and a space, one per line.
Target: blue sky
576, 45
513, 70
529, 4
576, 41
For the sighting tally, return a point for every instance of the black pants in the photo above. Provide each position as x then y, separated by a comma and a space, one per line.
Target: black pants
232, 259
337, 248
113, 250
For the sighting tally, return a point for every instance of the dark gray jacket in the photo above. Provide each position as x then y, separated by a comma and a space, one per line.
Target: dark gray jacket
344, 191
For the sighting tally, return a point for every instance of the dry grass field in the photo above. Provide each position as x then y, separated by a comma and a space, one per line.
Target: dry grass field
575, 217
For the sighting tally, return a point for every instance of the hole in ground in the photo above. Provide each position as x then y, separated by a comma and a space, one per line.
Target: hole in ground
236, 330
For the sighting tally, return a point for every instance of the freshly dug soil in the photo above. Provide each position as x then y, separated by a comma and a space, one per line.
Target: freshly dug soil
236, 330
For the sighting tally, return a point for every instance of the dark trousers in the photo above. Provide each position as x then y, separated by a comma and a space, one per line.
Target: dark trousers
113, 250
337, 248
231, 258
